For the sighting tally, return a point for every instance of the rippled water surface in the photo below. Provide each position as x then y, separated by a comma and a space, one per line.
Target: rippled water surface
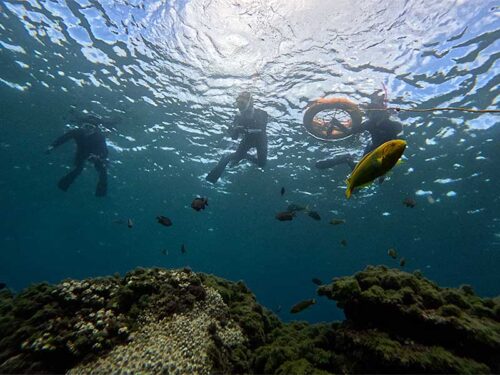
170, 70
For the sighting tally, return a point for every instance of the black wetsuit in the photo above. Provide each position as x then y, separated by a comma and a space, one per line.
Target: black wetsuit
90, 145
254, 135
381, 131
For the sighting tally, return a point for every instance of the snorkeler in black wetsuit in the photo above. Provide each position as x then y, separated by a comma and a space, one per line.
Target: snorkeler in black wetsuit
90, 145
251, 122
380, 127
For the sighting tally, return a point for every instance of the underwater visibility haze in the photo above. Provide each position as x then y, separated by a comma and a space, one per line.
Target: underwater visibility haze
169, 72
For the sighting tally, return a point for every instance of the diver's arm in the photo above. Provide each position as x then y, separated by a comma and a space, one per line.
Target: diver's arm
397, 126
72, 134
236, 129
361, 128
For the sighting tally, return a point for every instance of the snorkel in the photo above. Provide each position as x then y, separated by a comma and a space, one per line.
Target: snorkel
244, 102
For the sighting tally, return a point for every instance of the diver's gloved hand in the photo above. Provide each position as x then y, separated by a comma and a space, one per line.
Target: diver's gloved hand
235, 132
49, 149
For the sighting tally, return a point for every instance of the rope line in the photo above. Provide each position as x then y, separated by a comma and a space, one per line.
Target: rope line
398, 109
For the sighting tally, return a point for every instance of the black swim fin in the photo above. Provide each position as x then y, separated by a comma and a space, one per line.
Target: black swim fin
215, 173
101, 189
65, 182
337, 160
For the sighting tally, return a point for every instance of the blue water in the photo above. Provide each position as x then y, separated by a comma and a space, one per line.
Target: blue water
172, 69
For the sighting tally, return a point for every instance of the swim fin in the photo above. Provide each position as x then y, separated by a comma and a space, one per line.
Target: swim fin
215, 173
101, 189
64, 183
337, 160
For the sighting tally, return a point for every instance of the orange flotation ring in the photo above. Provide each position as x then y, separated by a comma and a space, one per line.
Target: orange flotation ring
345, 115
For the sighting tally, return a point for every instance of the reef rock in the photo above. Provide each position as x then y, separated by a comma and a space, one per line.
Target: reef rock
178, 321
405, 323
150, 321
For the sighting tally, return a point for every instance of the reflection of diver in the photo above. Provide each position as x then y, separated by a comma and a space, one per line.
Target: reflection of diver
251, 122
90, 145
379, 125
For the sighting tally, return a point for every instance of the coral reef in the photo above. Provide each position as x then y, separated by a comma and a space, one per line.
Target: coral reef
462, 327
178, 321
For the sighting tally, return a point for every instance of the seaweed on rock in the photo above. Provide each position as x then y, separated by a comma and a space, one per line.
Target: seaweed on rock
164, 321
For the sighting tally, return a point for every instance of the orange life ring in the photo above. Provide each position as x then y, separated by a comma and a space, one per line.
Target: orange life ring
328, 130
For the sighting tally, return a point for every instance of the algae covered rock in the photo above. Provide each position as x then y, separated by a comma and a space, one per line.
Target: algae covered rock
50, 329
407, 305
178, 321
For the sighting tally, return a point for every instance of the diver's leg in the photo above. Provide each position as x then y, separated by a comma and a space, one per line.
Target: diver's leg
339, 159
234, 158
262, 152
241, 152
67, 180
102, 183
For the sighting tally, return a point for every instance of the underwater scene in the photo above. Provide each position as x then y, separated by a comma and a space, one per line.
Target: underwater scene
246, 186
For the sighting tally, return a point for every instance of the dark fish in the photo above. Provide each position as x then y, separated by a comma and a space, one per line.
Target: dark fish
278, 309
130, 223
314, 215
285, 215
199, 204
3, 286
392, 253
164, 251
402, 262
163, 220
317, 281
282, 191
296, 207
337, 221
343, 242
183, 248
302, 305
409, 202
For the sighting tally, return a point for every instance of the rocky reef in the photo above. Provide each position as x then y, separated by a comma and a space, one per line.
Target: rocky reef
178, 322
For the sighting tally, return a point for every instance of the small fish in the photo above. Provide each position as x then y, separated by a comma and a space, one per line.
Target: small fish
130, 223
430, 199
3, 286
296, 207
343, 242
317, 281
199, 203
392, 253
302, 305
183, 248
285, 215
278, 309
337, 221
163, 220
164, 251
282, 191
314, 215
402, 262
409, 202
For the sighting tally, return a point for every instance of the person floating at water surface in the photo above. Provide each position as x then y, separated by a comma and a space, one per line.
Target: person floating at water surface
381, 128
251, 123
91, 146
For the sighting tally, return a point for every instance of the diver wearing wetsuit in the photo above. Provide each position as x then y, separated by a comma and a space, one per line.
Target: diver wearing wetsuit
251, 122
381, 128
90, 145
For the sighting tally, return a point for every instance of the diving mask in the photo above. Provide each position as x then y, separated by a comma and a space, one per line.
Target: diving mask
244, 102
